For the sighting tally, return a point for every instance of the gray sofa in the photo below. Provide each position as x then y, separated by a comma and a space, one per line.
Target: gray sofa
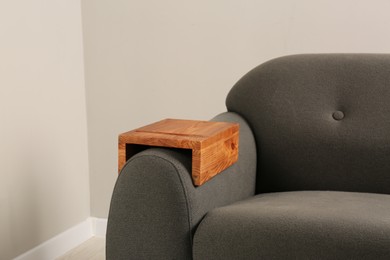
312, 180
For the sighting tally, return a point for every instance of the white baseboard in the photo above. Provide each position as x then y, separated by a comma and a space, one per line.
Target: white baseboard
67, 240
99, 226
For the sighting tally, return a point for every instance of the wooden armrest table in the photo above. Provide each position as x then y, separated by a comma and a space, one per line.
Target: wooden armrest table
214, 145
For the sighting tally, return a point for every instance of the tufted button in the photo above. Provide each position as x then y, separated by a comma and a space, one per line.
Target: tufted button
338, 115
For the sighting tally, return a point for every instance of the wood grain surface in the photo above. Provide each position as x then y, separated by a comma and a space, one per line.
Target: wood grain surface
214, 145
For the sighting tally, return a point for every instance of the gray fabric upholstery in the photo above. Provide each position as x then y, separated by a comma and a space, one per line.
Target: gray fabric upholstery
290, 104
298, 225
155, 208
320, 122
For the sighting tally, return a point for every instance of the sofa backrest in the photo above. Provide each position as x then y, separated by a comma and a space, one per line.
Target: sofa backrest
321, 121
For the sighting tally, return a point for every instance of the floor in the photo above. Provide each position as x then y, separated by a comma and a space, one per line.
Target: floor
92, 249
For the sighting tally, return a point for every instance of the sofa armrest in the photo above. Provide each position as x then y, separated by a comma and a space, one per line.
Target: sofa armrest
155, 207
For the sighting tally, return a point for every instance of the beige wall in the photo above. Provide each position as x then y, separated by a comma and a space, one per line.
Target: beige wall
147, 60
43, 135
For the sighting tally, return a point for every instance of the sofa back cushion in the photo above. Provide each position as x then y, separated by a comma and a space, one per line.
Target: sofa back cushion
321, 121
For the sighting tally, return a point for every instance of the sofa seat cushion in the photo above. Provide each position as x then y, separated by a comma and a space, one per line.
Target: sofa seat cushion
298, 225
